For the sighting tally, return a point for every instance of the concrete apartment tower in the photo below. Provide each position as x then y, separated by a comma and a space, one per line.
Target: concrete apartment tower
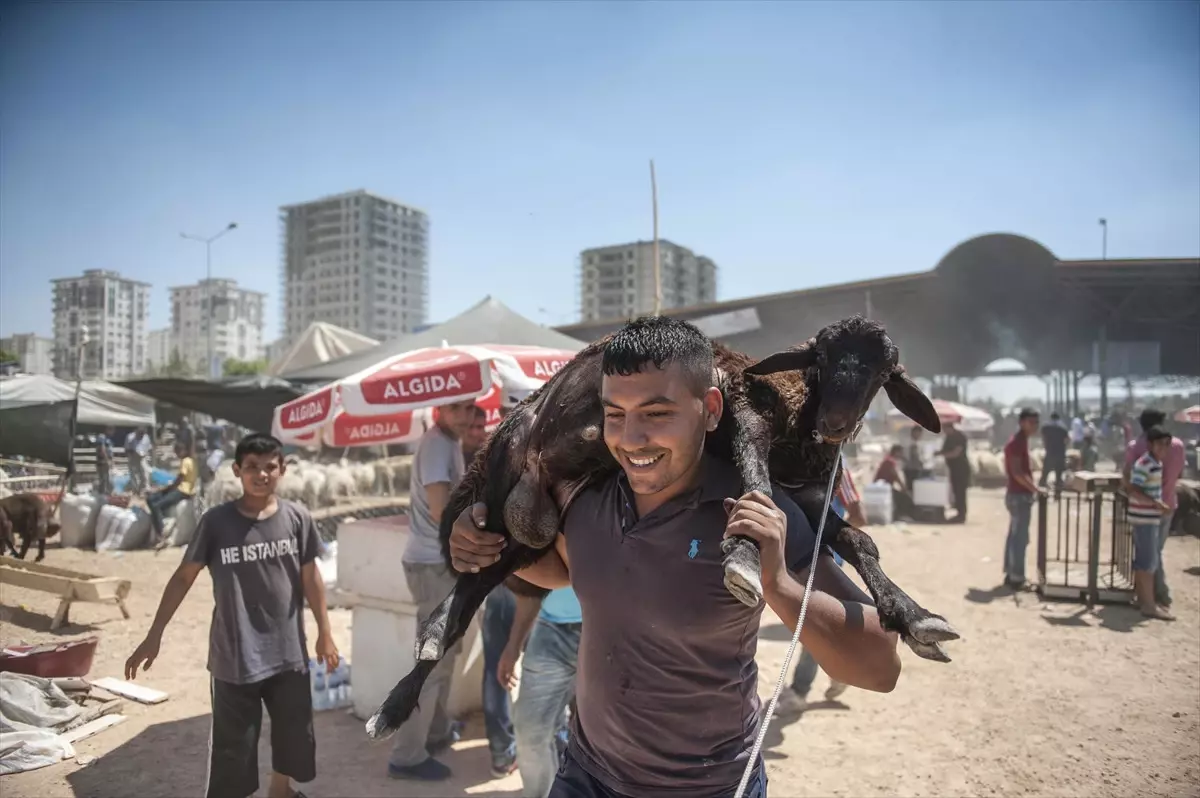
357, 260
236, 319
114, 311
617, 282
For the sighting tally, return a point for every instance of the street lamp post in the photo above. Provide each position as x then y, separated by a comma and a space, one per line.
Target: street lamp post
1104, 239
208, 242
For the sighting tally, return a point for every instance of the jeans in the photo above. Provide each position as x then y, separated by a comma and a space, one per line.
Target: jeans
1057, 466
103, 478
547, 686
429, 722
498, 614
806, 673
1020, 508
137, 475
158, 503
1162, 594
575, 782
960, 480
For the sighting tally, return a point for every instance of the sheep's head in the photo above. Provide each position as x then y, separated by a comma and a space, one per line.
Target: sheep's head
845, 365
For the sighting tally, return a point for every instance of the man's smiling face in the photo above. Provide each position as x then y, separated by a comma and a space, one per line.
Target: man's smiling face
654, 425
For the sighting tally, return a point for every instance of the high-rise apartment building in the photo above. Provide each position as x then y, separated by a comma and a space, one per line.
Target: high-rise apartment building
618, 281
114, 312
160, 344
35, 354
356, 260
236, 321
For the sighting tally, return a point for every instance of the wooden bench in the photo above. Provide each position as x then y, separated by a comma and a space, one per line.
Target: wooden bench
68, 585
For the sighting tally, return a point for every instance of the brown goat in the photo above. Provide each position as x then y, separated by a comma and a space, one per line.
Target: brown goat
25, 515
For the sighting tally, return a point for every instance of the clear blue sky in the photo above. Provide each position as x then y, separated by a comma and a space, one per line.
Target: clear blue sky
797, 144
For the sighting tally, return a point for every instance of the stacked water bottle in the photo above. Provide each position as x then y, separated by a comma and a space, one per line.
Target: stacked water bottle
330, 690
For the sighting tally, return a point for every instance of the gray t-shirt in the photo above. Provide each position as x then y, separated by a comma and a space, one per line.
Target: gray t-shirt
439, 458
258, 621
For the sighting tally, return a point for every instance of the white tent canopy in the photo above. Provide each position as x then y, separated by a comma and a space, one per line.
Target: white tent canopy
100, 403
318, 344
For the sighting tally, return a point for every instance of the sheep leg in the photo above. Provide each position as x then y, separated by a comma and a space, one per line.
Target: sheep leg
437, 635
751, 449
24, 546
921, 630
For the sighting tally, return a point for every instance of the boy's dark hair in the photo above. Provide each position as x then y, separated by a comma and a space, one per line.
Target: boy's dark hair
1028, 412
480, 413
1151, 417
660, 341
1157, 434
259, 443
897, 449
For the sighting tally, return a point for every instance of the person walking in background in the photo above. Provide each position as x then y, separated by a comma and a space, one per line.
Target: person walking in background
104, 461
891, 472
1054, 439
912, 461
475, 436
1173, 464
1146, 510
552, 627
436, 468
133, 456
954, 451
1019, 497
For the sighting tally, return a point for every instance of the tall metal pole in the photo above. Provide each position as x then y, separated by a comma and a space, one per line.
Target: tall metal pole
209, 313
1104, 239
1103, 354
657, 262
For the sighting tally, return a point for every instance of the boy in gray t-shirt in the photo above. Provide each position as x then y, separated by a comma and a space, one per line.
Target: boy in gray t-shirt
260, 551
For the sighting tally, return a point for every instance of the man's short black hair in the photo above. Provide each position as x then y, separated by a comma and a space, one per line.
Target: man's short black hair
1054, 416
1151, 417
1028, 412
897, 450
259, 443
480, 413
1157, 433
659, 341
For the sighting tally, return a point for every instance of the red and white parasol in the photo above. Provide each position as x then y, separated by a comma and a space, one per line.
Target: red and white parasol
970, 419
393, 401
1189, 415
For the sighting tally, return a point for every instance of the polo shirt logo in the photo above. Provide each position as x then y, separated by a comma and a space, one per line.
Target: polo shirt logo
694, 550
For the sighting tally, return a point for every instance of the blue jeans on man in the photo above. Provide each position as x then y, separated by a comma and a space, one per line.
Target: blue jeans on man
1020, 511
160, 503
547, 687
498, 613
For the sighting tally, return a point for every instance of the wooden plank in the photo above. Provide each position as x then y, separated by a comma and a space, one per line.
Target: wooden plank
39, 568
49, 583
136, 692
92, 728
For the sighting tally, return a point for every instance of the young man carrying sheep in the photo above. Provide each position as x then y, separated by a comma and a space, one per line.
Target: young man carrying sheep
666, 687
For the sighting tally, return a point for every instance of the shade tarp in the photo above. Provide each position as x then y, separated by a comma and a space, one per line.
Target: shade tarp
321, 343
248, 402
486, 323
36, 412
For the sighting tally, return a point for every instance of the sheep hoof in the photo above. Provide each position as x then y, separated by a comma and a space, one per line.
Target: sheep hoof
743, 570
377, 727
932, 629
930, 651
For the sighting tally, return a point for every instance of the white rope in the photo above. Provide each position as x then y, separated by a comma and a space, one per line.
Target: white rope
787, 661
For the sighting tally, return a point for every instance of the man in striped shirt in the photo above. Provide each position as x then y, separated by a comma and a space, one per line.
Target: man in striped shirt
1146, 509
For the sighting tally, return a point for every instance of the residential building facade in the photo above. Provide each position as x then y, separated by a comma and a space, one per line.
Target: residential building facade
35, 353
113, 311
159, 346
357, 260
236, 322
618, 281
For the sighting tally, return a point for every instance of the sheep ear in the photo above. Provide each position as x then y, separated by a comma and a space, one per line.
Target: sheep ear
909, 400
797, 359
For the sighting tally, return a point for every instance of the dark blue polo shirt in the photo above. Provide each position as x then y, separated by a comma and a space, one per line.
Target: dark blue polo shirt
666, 687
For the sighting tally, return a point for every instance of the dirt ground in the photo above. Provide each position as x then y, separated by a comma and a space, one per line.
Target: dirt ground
1041, 699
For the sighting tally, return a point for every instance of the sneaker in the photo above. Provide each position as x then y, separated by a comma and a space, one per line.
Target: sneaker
791, 703
835, 690
429, 770
1158, 613
504, 767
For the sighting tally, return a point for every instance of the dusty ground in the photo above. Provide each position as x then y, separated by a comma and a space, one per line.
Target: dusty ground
1040, 700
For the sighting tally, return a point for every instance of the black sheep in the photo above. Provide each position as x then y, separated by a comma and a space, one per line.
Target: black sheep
26, 515
781, 427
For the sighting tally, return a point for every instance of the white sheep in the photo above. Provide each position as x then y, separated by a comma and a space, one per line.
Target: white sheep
291, 486
339, 483
364, 477
225, 486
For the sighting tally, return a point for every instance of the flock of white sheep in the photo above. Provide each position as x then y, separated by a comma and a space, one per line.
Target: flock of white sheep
320, 485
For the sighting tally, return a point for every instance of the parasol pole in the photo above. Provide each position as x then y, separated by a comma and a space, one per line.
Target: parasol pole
657, 264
